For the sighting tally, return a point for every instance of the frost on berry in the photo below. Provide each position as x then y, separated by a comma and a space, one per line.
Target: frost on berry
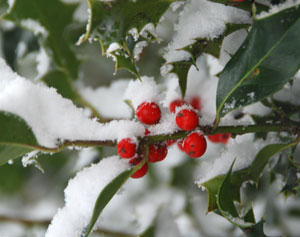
187, 119
126, 148
195, 145
140, 172
157, 152
148, 113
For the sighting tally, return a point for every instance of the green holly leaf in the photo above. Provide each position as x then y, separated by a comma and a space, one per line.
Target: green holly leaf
51, 19
256, 230
120, 22
16, 137
262, 158
225, 197
108, 192
253, 173
200, 46
263, 64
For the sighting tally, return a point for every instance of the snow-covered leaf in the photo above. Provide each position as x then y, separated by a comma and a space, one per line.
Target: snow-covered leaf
244, 5
61, 82
49, 20
263, 64
200, 46
239, 177
108, 192
120, 22
16, 137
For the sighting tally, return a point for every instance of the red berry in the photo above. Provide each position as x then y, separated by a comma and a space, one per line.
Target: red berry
213, 138
224, 137
147, 132
170, 142
180, 144
176, 103
195, 145
187, 119
140, 172
196, 103
220, 137
126, 148
157, 152
148, 113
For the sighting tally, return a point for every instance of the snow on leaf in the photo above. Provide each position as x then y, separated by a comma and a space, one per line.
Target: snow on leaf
258, 66
123, 22
82, 192
48, 19
54, 119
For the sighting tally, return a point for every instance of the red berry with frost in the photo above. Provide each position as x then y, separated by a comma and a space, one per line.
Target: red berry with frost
140, 172
196, 103
148, 113
195, 145
187, 119
180, 144
126, 148
176, 103
170, 142
157, 152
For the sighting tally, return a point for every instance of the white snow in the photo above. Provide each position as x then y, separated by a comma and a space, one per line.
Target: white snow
290, 93
138, 49
84, 158
81, 194
279, 7
113, 47
34, 26
27, 159
102, 98
43, 62
11, 3
142, 91
53, 118
175, 5
201, 19
166, 125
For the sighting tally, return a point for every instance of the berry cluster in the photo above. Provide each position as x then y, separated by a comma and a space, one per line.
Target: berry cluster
187, 119
148, 113
194, 145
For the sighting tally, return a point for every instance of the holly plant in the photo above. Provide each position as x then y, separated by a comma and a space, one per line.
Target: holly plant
149, 118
